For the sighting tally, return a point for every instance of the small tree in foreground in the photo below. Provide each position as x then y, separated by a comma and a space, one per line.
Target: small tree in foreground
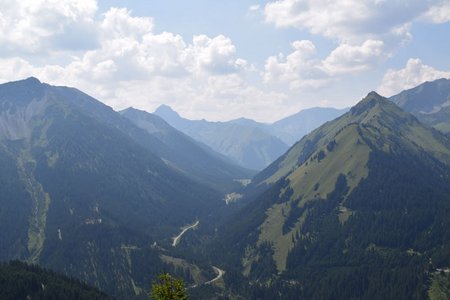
168, 288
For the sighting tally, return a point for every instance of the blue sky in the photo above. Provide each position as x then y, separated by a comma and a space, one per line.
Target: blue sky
221, 60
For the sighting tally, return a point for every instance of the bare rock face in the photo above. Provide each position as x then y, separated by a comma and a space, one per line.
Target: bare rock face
17, 122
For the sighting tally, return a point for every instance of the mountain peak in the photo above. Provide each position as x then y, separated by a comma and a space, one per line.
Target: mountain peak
32, 80
368, 102
128, 109
22, 91
163, 108
168, 114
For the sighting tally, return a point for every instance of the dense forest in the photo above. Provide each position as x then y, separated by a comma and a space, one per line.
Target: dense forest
21, 281
387, 249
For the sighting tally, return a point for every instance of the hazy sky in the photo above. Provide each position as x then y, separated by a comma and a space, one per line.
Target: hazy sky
224, 59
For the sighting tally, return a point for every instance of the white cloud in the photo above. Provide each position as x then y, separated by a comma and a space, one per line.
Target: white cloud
118, 23
352, 20
439, 13
14, 69
354, 58
213, 55
414, 73
132, 65
357, 24
34, 26
124, 62
302, 69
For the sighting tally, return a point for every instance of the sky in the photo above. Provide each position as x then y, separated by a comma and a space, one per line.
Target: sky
225, 59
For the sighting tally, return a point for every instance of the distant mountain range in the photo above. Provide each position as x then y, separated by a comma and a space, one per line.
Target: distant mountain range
249, 143
357, 209
185, 153
430, 102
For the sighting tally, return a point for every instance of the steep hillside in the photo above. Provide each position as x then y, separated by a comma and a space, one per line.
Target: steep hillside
194, 158
293, 128
429, 102
247, 145
356, 209
80, 195
21, 281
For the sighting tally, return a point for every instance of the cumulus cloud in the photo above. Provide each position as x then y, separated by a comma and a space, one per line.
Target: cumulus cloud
302, 69
354, 58
129, 50
118, 23
367, 31
352, 20
129, 64
35, 26
213, 55
413, 74
439, 13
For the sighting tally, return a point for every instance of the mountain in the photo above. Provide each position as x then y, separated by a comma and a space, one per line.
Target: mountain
21, 281
357, 209
249, 146
83, 192
293, 128
429, 102
252, 144
194, 158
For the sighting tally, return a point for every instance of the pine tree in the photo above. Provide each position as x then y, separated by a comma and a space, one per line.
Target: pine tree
168, 288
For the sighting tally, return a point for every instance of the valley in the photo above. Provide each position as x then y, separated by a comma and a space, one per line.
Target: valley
358, 207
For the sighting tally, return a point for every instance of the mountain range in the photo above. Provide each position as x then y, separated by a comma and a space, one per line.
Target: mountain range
86, 192
251, 144
187, 154
429, 102
358, 208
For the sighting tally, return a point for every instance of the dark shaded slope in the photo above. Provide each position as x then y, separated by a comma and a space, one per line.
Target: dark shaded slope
81, 196
197, 159
21, 281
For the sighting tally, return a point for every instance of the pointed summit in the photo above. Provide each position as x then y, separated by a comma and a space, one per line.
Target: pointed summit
165, 110
170, 116
375, 122
368, 102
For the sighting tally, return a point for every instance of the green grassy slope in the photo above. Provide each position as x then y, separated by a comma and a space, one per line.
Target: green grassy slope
356, 209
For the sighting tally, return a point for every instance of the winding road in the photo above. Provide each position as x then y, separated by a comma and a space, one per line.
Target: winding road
178, 237
219, 275
175, 242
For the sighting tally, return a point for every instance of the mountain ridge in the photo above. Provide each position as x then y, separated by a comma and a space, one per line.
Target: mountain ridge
339, 191
195, 157
429, 102
281, 133
249, 146
82, 192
